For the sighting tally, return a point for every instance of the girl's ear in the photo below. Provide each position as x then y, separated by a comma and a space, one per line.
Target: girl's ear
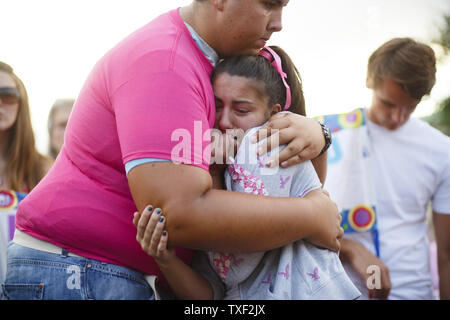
275, 109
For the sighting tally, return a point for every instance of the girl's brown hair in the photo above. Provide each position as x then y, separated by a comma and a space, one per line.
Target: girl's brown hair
260, 69
411, 64
25, 166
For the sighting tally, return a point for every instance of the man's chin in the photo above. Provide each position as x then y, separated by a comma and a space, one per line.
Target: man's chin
250, 52
393, 127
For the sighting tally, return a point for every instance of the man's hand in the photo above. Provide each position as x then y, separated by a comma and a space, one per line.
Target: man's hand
361, 259
303, 136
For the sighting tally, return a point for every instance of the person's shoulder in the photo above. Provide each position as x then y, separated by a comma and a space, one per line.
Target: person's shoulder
157, 40
164, 46
424, 129
421, 135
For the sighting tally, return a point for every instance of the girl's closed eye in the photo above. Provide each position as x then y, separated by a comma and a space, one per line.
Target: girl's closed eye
219, 104
387, 103
270, 4
242, 109
243, 106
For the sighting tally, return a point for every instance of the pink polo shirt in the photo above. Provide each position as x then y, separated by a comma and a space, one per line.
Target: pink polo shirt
144, 99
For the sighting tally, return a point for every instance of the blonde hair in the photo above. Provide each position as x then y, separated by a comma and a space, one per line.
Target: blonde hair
24, 164
57, 105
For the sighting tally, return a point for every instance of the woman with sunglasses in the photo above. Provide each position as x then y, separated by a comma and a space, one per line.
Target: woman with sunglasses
21, 165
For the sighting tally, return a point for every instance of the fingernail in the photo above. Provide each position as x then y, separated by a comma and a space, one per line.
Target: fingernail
164, 233
284, 164
161, 219
150, 208
158, 211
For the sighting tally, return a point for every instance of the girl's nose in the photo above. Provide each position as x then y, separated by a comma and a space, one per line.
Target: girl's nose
224, 120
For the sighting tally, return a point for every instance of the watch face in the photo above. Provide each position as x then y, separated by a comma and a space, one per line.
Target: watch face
326, 132
327, 136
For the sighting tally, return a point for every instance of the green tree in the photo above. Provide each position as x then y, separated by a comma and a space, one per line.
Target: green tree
444, 37
440, 119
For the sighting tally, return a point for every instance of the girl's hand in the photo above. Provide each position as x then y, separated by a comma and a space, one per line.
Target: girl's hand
303, 136
152, 236
328, 233
224, 145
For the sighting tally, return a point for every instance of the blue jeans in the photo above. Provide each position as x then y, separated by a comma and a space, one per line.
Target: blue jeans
38, 275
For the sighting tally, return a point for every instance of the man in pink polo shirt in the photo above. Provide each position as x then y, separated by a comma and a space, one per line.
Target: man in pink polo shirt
78, 222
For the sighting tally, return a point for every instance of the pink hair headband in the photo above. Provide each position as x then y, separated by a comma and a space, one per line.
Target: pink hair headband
275, 61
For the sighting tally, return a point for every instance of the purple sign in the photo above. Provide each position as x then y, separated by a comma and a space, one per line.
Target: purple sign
12, 223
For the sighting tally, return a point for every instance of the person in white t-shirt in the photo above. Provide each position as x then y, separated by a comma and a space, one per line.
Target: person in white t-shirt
411, 166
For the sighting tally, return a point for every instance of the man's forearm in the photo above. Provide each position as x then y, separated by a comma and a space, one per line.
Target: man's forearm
444, 278
320, 165
441, 222
347, 249
235, 222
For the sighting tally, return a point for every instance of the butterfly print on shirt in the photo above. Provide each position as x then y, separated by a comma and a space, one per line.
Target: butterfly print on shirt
314, 275
284, 181
285, 274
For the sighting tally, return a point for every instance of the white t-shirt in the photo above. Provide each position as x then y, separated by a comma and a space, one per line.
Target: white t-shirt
412, 167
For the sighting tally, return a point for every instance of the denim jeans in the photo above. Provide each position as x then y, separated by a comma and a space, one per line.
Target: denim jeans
38, 275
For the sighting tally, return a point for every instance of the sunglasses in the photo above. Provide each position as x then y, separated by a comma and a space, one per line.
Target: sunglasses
9, 95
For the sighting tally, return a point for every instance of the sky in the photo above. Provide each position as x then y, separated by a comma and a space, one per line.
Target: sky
53, 44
